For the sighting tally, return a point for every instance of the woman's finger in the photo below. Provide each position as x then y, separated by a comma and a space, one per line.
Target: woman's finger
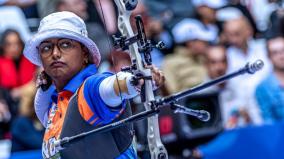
161, 79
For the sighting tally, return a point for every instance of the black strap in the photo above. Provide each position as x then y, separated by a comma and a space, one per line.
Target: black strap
99, 146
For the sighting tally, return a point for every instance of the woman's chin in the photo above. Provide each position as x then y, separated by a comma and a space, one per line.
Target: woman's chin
58, 73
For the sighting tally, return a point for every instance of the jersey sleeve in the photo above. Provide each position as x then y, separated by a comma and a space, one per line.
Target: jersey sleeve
91, 106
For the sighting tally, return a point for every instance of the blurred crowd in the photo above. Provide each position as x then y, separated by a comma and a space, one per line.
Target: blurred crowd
204, 40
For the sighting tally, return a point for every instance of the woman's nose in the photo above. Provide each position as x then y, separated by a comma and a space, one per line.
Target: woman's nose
56, 53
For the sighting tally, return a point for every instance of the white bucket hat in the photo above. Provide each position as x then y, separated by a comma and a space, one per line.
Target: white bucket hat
60, 25
191, 29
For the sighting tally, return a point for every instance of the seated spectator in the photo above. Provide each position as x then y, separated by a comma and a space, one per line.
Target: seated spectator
206, 12
27, 131
15, 72
243, 10
15, 69
216, 63
185, 67
270, 93
243, 49
232, 114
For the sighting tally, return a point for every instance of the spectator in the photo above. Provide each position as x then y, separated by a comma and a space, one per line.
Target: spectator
242, 49
206, 12
236, 4
187, 62
216, 63
15, 69
270, 93
260, 17
15, 73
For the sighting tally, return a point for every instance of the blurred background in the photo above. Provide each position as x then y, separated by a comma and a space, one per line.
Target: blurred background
204, 39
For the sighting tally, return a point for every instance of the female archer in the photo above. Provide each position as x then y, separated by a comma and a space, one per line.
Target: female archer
77, 98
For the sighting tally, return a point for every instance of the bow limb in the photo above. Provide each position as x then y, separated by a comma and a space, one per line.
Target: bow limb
156, 147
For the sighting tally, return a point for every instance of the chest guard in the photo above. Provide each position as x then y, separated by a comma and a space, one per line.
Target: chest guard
105, 145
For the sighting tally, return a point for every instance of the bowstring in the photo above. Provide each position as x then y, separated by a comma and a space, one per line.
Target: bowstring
109, 45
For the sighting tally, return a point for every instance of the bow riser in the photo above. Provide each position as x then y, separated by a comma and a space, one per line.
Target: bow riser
156, 147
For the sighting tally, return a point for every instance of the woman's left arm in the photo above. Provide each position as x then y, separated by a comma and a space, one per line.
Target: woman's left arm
118, 87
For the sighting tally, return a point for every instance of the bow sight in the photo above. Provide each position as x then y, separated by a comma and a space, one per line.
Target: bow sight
145, 46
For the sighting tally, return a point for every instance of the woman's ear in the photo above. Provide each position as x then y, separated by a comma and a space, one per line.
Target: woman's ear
88, 58
85, 50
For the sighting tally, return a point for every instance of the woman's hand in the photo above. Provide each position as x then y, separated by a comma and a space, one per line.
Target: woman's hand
157, 76
43, 81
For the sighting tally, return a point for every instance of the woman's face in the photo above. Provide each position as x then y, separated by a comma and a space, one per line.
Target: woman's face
12, 46
62, 58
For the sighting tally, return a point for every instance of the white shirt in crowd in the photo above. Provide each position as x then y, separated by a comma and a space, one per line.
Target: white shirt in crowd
245, 85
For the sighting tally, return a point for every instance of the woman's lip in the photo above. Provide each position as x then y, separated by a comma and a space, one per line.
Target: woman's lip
57, 64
